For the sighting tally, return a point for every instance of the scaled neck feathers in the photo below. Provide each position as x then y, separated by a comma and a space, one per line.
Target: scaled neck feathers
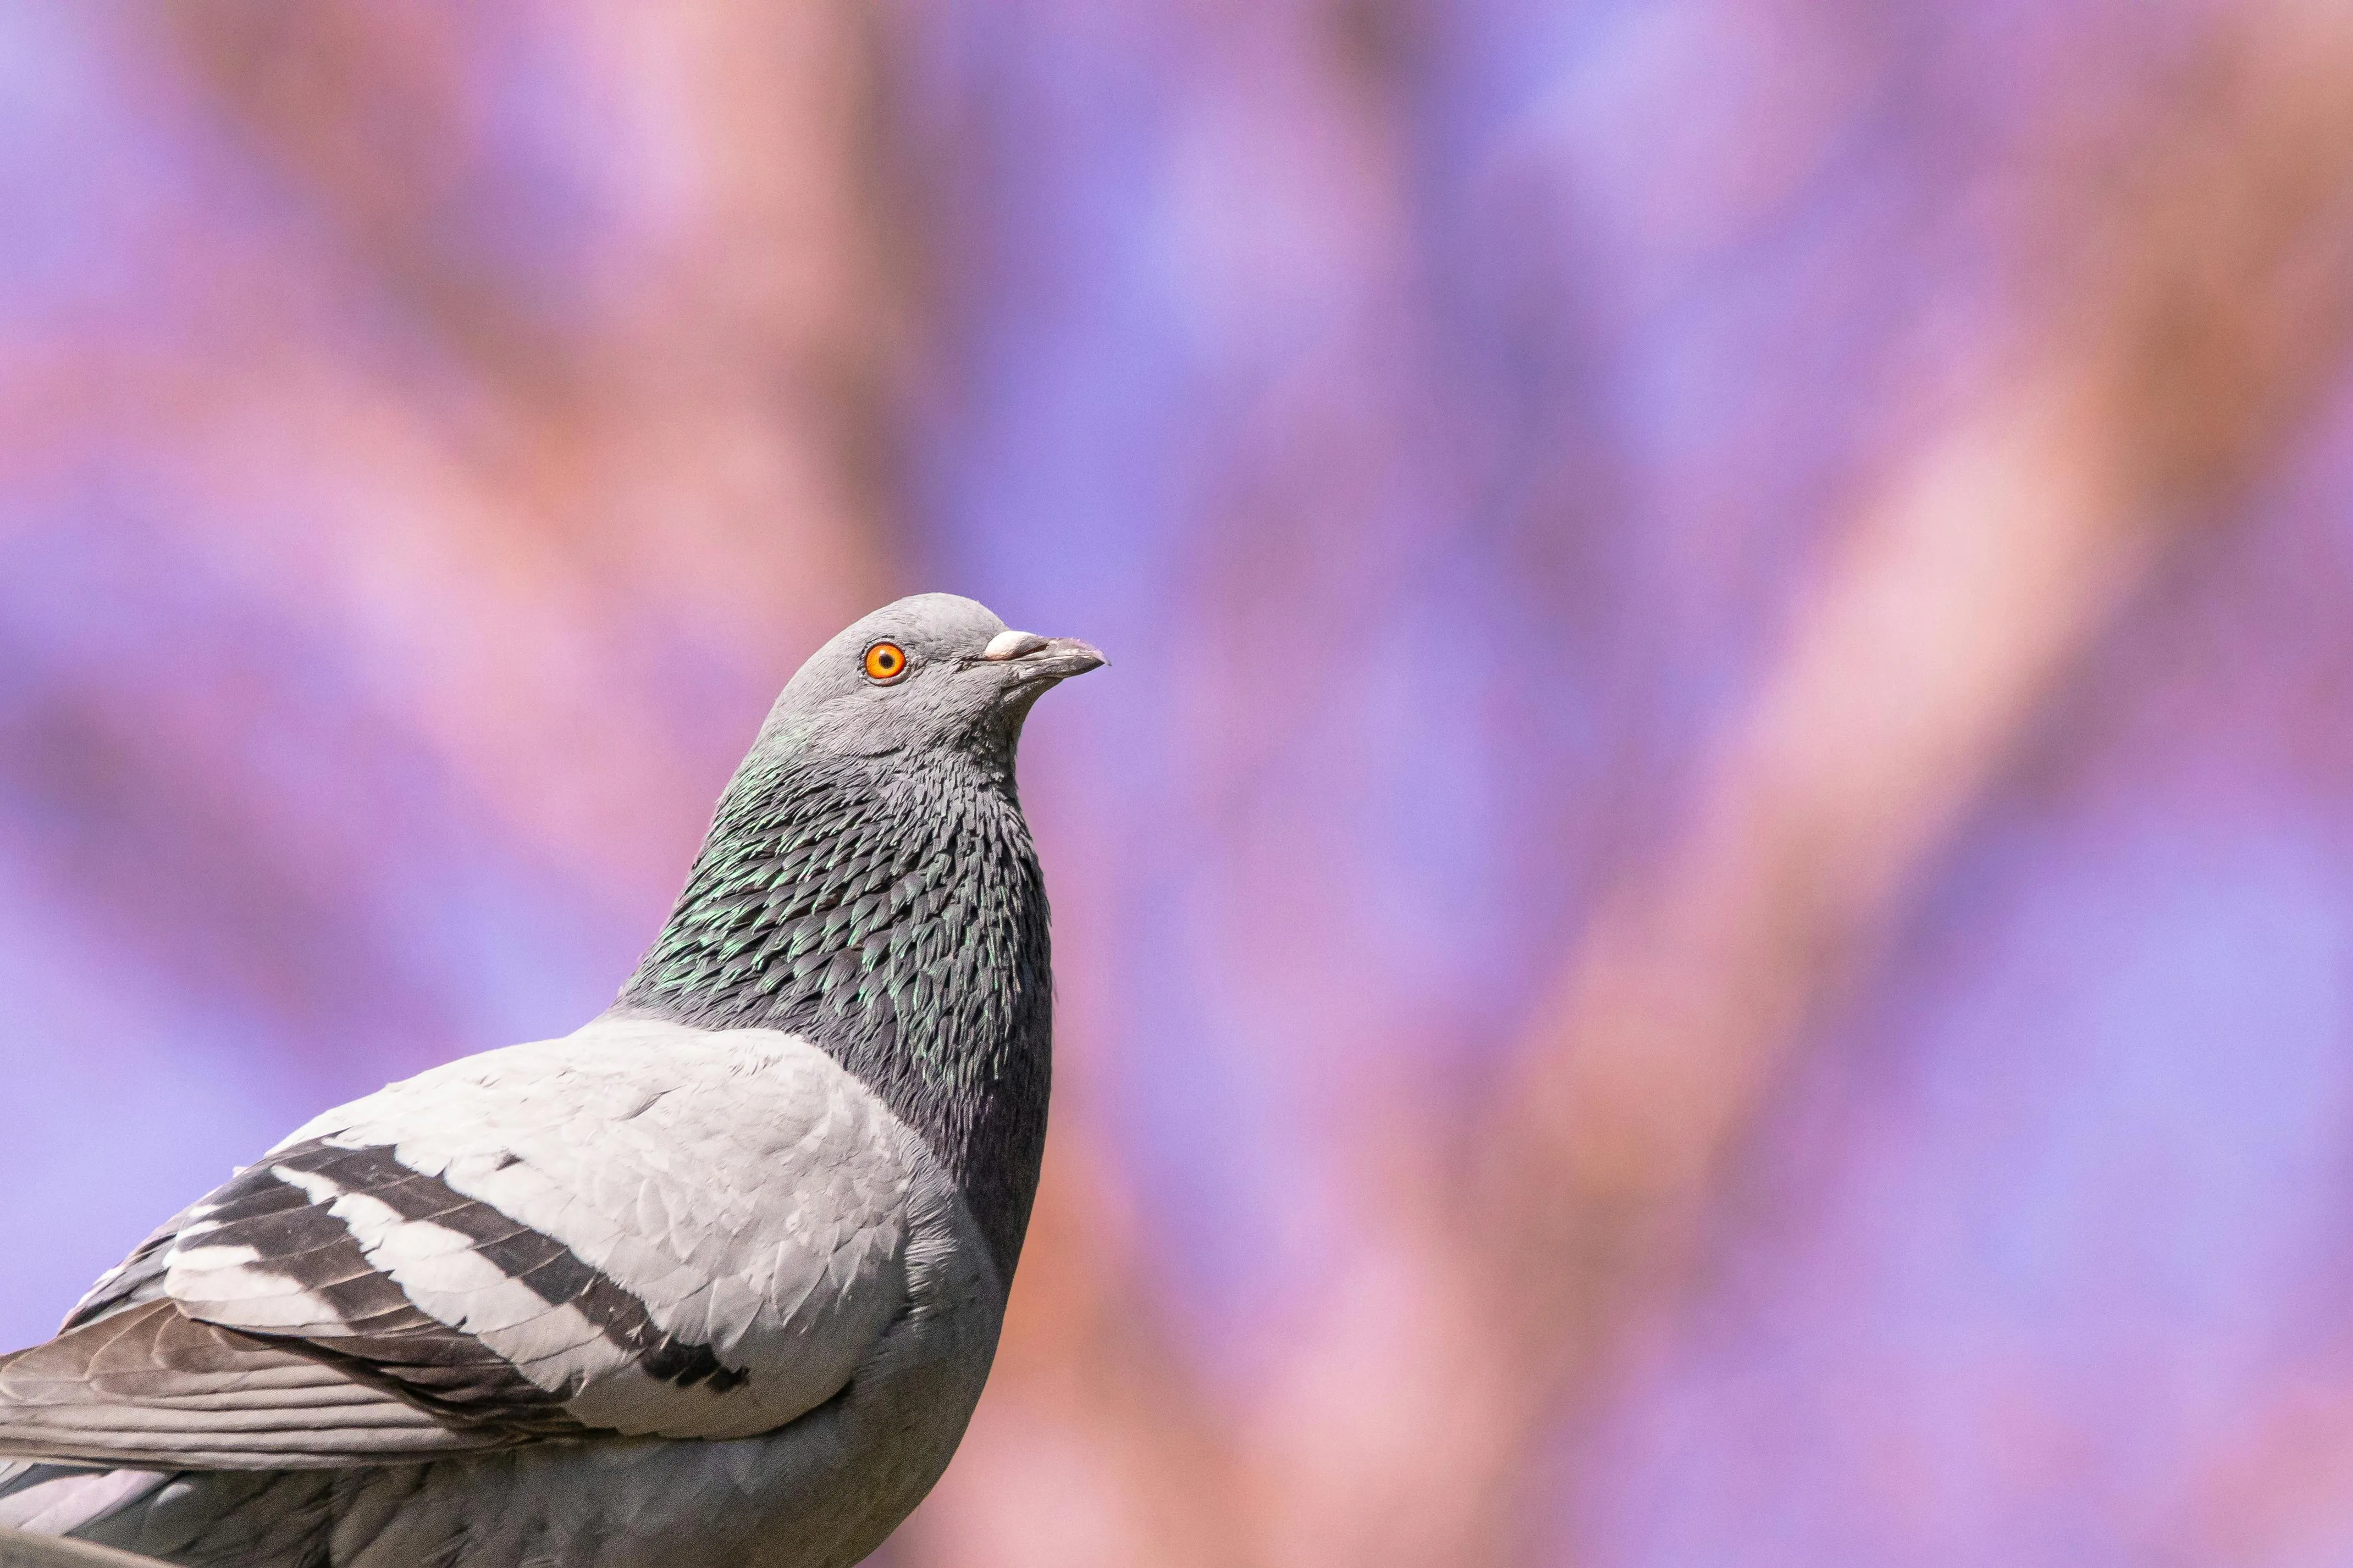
891, 910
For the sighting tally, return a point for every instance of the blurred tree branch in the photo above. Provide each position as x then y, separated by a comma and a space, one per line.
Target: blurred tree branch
707, 370
2183, 318
2183, 347
2184, 279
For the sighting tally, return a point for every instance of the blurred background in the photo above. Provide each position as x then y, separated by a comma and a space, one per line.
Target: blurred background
1708, 916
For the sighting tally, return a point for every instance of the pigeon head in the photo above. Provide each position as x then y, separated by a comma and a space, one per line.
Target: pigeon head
930, 672
869, 883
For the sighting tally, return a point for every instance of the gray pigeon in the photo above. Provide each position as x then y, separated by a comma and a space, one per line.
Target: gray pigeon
714, 1279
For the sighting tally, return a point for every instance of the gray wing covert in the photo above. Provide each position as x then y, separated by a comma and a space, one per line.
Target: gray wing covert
638, 1229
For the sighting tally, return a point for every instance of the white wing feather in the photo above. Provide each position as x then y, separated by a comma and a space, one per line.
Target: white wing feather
639, 1228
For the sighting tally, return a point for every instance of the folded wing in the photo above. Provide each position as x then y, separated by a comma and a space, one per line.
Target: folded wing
638, 1229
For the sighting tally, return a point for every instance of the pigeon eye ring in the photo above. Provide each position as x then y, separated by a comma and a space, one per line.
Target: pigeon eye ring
884, 663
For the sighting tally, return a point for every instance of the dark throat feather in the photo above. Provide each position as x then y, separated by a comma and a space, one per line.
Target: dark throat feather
891, 910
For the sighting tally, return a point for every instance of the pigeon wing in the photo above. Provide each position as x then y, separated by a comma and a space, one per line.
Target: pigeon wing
150, 1385
641, 1228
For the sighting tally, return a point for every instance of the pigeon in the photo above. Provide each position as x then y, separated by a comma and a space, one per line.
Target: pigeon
714, 1279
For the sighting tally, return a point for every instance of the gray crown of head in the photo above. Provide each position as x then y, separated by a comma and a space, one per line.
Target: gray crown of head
966, 682
869, 882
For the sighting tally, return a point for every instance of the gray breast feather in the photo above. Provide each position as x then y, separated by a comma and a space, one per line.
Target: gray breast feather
641, 1228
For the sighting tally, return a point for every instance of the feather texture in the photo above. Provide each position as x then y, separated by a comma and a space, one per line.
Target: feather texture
639, 1228
897, 916
715, 1279
150, 1385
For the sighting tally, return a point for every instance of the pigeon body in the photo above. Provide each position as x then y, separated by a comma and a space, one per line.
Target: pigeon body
715, 1279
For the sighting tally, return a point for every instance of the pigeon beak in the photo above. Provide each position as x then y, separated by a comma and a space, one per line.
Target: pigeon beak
1063, 658
1043, 659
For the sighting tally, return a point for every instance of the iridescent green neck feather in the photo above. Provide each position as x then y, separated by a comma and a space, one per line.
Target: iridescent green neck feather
890, 908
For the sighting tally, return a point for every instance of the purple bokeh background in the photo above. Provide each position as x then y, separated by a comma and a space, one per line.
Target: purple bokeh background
432, 435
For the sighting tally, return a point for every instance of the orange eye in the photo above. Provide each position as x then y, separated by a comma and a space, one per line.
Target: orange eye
885, 661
